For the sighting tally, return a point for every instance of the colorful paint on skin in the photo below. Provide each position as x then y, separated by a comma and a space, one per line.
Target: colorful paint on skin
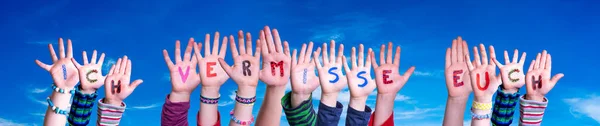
115, 88
455, 78
537, 84
64, 69
386, 76
185, 75
330, 71
209, 69
511, 72
487, 81
246, 68
359, 75
277, 64
87, 76
304, 75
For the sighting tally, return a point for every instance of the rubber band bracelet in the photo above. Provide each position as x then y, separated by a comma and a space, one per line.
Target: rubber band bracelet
62, 91
209, 100
240, 122
56, 109
482, 106
480, 117
244, 100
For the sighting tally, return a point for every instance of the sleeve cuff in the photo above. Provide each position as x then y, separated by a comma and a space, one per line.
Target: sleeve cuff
532, 111
358, 118
177, 106
328, 116
110, 114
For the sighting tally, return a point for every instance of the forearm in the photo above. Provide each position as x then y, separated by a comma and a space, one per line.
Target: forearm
455, 109
242, 111
504, 107
109, 114
481, 111
384, 108
270, 111
329, 99
81, 108
297, 99
174, 113
208, 111
61, 101
302, 115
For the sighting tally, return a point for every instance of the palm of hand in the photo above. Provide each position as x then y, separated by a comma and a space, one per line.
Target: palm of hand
238, 70
388, 79
304, 80
485, 88
211, 72
58, 73
271, 75
457, 89
326, 79
534, 89
358, 88
183, 77
94, 80
119, 83
510, 80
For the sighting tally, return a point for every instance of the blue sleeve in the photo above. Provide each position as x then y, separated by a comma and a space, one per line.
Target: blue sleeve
358, 118
329, 116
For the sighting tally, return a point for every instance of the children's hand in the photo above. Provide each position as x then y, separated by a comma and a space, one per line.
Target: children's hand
63, 72
360, 82
483, 73
512, 73
211, 72
276, 59
90, 73
245, 68
330, 73
538, 77
387, 76
458, 80
117, 85
304, 80
184, 78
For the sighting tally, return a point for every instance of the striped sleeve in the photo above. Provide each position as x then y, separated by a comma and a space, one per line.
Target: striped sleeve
81, 108
504, 107
532, 112
303, 115
109, 115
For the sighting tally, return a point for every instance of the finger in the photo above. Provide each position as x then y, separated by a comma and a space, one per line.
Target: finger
223, 50
188, 50
207, 45
557, 77
448, 58
549, 62
492, 55
112, 69
194, 62
465, 51
537, 61
331, 52
381, 54
309, 52
101, 60
361, 55
542, 64
469, 63
522, 60
316, 58
389, 53
397, 57
353, 58
197, 49
225, 66
128, 68
118, 66
302, 53
263, 43
61, 48
124, 65
94, 56
459, 47
69, 48
232, 46
258, 48
167, 58
77, 65
177, 52
484, 56
249, 44
85, 58
498, 62
477, 59
269, 38
346, 67
373, 59
215, 46
515, 56
278, 45
43, 65
506, 57
408, 73
368, 62
531, 66
286, 47
325, 56
242, 46
340, 53
52, 53
454, 50
294, 60
135, 84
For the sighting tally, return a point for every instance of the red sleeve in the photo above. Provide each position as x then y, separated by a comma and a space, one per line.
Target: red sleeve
388, 122
218, 123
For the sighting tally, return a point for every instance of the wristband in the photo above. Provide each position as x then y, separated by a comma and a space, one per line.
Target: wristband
480, 117
481, 106
56, 109
62, 91
240, 122
206, 100
246, 101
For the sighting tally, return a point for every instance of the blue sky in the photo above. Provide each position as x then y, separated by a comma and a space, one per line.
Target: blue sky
142, 28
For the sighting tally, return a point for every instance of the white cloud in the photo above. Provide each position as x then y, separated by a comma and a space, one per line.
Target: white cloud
400, 97
106, 66
416, 113
39, 90
143, 107
42, 102
38, 114
6, 122
166, 77
468, 123
429, 73
226, 103
588, 106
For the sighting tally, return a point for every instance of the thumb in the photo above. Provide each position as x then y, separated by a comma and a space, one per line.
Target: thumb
225, 66
557, 77
135, 83
77, 65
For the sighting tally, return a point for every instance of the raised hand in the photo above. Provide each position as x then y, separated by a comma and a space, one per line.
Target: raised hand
458, 80
330, 73
538, 78
90, 73
304, 80
483, 73
276, 59
387, 76
360, 82
63, 71
184, 78
246, 65
211, 72
117, 85
512, 73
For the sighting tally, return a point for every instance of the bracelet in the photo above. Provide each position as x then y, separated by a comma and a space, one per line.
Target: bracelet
237, 121
206, 100
244, 100
482, 106
56, 109
62, 91
480, 117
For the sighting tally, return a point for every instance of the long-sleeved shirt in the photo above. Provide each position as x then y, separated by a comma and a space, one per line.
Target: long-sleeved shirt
81, 108
388, 122
504, 107
109, 115
175, 114
532, 111
304, 114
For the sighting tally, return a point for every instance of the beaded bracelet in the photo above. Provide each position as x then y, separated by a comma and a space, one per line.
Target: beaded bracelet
244, 100
209, 100
480, 117
237, 121
56, 109
482, 106
62, 91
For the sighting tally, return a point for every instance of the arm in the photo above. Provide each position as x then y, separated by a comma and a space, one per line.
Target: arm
301, 115
81, 108
389, 82
275, 74
458, 82
332, 81
298, 104
513, 78
504, 107
361, 85
539, 83
485, 83
117, 87
91, 78
65, 77
109, 114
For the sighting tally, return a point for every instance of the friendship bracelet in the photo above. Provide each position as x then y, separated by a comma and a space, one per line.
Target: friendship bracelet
237, 121
244, 100
480, 117
482, 106
56, 109
206, 100
62, 91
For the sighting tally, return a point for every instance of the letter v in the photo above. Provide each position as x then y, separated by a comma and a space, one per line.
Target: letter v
184, 76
